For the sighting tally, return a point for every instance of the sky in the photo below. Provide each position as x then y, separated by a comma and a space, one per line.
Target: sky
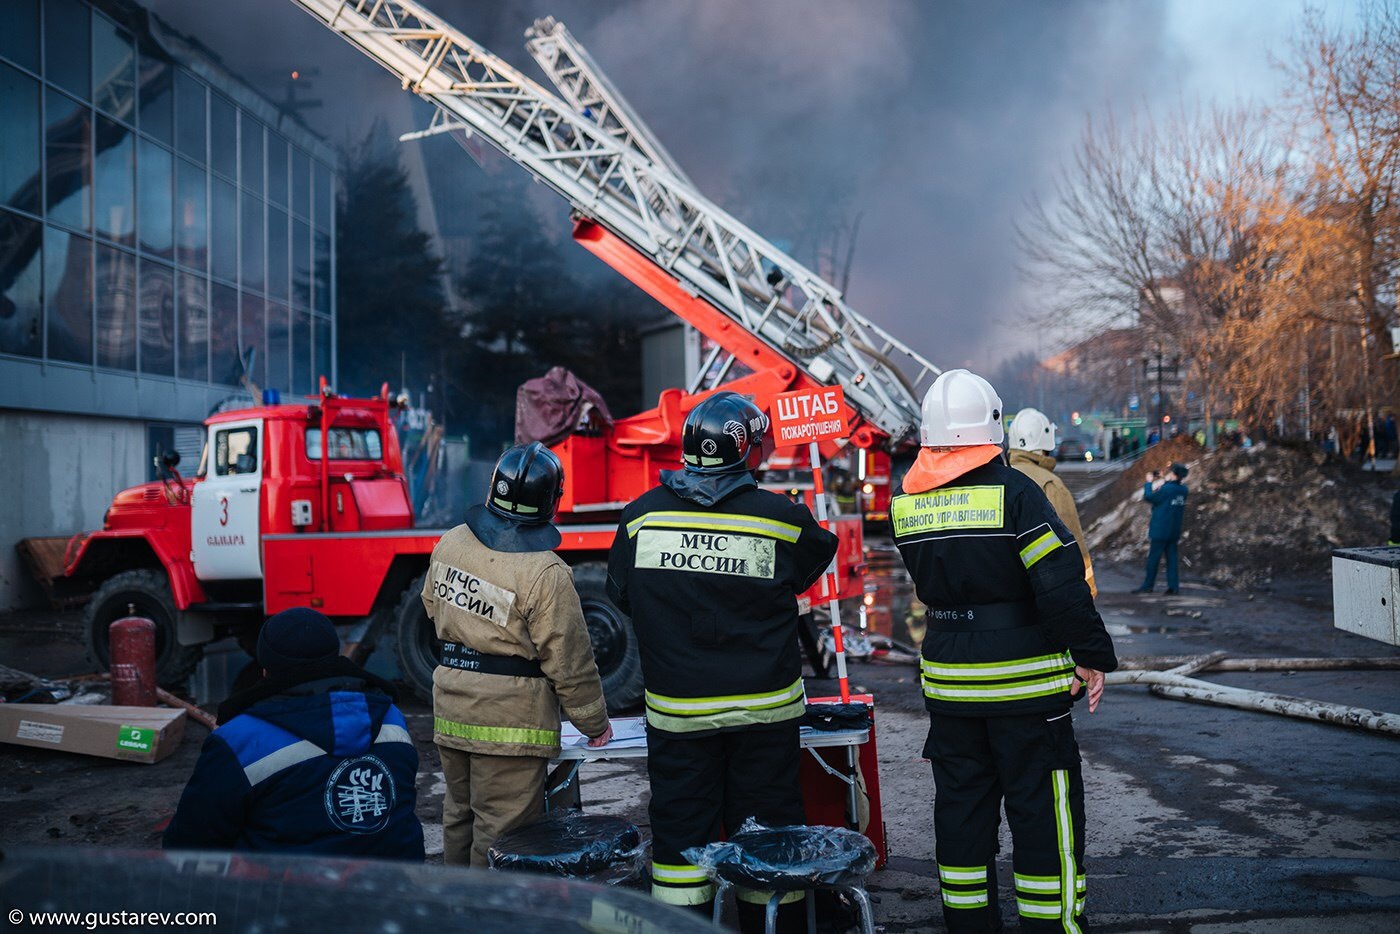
931, 122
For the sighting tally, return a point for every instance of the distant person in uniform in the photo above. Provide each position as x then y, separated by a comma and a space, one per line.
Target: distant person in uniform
515, 650
1168, 500
1031, 438
313, 759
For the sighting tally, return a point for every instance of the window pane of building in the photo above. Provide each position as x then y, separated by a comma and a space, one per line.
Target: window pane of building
278, 347
223, 136
251, 231
224, 365
113, 69
322, 280
21, 308
19, 40
301, 184
301, 264
155, 185
276, 169
322, 359
68, 45
253, 338
157, 97
191, 228
157, 310
68, 295
250, 170
189, 116
114, 181
277, 259
223, 230
322, 195
193, 308
301, 352
116, 308
19, 143
69, 161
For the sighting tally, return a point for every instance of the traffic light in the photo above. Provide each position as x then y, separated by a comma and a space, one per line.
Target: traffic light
1074, 417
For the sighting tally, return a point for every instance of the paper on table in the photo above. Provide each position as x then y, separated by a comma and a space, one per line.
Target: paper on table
628, 733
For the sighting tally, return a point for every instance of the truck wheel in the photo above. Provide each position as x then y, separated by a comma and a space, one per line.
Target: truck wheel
149, 592
415, 641
614, 642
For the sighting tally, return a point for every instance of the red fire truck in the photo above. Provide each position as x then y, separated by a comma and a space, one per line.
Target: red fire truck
305, 505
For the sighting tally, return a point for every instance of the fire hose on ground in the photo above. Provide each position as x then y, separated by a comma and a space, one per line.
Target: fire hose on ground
1175, 682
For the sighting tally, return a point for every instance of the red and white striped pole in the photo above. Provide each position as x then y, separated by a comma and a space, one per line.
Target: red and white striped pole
829, 588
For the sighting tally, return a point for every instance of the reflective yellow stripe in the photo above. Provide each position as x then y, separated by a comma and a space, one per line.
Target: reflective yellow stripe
688, 706
678, 873
1038, 909
979, 671
496, 734
962, 873
717, 522
965, 899
1064, 828
725, 718
998, 692
683, 895
757, 897
1046, 884
963, 507
1039, 548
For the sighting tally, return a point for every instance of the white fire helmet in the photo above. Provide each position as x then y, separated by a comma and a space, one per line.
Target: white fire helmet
1032, 431
960, 409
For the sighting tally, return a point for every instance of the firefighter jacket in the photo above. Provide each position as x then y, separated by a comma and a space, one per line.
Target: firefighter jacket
712, 586
513, 611
1009, 612
322, 765
1168, 509
1040, 468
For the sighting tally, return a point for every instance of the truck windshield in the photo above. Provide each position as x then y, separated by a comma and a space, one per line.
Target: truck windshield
347, 444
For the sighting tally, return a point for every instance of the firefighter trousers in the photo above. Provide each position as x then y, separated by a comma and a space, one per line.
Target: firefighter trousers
486, 796
1031, 763
705, 787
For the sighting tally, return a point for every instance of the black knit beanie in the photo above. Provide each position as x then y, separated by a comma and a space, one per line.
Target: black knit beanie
296, 637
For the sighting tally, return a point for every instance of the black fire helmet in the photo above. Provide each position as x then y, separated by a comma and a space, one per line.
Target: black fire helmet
526, 484
724, 434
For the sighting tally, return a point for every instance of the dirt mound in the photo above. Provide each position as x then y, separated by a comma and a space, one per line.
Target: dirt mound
1253, 514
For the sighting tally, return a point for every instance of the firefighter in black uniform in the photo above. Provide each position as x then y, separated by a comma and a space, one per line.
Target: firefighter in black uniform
1013, 641
709, 567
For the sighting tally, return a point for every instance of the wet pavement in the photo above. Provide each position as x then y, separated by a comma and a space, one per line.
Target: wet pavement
1201, 818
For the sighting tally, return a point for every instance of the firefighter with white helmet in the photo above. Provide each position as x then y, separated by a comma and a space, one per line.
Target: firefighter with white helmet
1013, 641
1031, 438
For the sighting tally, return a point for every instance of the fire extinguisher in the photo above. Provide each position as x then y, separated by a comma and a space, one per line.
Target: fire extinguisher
131, 641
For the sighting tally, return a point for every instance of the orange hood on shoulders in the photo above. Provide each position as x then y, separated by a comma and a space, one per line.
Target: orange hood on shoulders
935, 468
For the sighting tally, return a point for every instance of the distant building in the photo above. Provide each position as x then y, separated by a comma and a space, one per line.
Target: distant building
166, 244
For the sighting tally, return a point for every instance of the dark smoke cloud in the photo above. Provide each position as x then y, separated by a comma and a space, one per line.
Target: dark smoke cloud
932, 121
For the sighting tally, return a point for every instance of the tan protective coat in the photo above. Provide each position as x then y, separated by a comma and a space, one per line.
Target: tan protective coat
513, 604
1040, 468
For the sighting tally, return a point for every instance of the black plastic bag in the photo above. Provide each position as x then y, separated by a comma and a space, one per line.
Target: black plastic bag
852, 716
595, 847
787, 859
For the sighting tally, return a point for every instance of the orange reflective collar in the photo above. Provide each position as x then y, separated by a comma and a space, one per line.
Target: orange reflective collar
935, 468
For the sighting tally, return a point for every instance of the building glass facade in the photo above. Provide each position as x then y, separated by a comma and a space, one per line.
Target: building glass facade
152, 226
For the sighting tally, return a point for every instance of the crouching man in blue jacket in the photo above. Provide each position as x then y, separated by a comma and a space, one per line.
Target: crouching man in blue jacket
315, 758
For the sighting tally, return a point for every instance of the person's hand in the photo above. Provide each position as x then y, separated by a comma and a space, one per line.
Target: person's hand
607, 736
1093, 680
1150, 477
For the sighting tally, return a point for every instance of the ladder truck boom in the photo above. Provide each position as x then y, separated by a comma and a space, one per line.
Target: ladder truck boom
756, 286
592, 93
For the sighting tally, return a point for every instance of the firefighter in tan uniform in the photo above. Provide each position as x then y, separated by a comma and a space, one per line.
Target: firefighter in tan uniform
515, 650
1030, 440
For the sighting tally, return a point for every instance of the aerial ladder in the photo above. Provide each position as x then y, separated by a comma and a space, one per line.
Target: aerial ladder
769, 315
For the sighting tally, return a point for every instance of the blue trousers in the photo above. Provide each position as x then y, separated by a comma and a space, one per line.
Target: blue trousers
1157, 549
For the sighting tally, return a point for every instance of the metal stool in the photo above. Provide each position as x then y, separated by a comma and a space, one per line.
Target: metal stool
591, 847
794, 859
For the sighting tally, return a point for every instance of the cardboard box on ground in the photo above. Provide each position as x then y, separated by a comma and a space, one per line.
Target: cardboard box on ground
133, 734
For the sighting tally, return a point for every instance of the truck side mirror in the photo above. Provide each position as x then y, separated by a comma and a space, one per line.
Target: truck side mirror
170, 459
